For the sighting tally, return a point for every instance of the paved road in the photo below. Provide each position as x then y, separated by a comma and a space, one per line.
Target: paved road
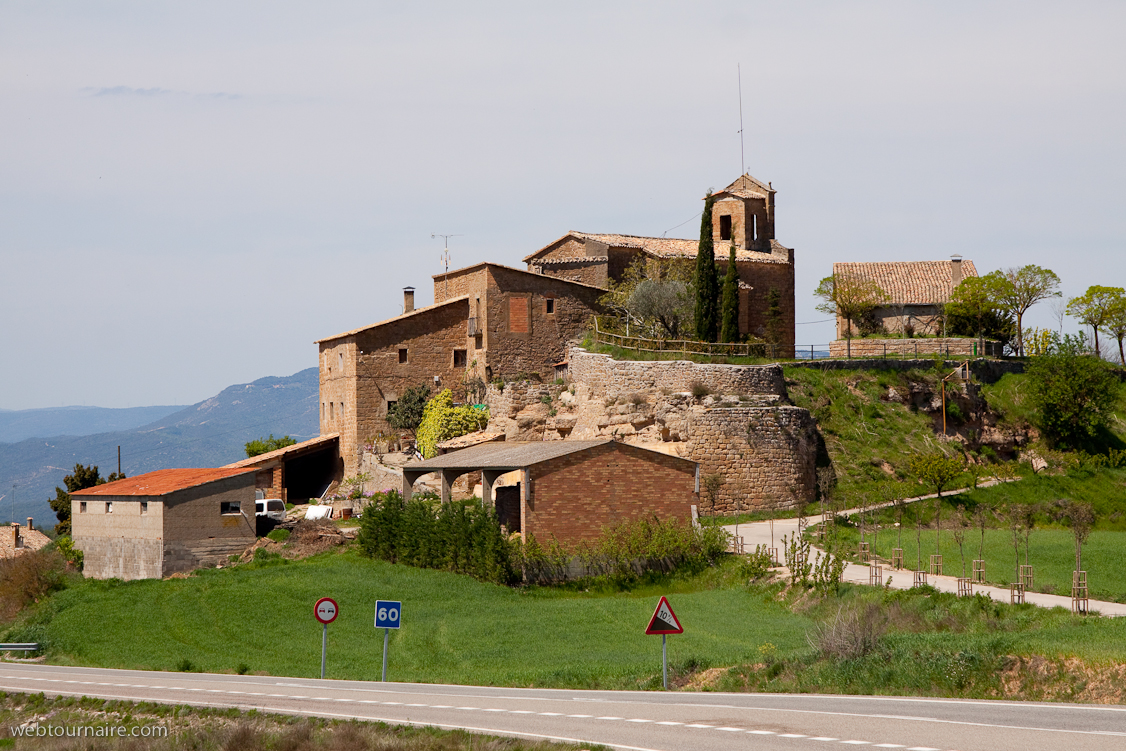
641, 721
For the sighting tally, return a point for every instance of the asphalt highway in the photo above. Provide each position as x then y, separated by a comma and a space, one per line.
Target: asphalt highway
637, 720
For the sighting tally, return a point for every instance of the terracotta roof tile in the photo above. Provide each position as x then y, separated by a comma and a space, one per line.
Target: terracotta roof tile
270, 456
33, 539
161, 482
908, 282
401, 316
660, 247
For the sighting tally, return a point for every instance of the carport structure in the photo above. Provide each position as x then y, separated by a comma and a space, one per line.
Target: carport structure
571, 489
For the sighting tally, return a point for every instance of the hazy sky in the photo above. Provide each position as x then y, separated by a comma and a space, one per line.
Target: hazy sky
191, 193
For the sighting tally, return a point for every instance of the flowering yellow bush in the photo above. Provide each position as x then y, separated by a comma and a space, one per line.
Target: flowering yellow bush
441, 420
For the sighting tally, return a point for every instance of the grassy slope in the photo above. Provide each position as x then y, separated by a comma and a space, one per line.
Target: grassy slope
454, 630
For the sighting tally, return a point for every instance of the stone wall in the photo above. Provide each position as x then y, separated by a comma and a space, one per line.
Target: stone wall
608, 377
862, 348
766, 455
197, 535
574, 496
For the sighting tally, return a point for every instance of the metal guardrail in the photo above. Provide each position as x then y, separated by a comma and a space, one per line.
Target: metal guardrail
19, 647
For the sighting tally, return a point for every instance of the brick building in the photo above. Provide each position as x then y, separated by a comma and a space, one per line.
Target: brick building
163, 522
296, 473
16, 541
917, 294
487, 321
743, 216
570, 489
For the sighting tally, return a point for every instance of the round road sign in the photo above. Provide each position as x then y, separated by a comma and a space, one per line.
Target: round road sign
326, 610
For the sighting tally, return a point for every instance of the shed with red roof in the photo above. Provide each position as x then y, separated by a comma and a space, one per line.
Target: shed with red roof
164, 522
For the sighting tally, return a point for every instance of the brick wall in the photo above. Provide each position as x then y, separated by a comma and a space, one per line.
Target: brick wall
766, 455
862, 348
605, 376
573, 497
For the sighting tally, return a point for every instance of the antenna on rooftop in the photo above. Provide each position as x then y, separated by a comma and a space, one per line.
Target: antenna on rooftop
742, 156
445, 259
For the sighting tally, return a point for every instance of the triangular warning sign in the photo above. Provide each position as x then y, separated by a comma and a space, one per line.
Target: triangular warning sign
664, 620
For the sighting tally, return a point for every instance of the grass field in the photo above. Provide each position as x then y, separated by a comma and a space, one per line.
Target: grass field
455, 629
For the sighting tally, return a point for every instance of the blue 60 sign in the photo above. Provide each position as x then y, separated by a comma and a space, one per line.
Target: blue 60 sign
387, 613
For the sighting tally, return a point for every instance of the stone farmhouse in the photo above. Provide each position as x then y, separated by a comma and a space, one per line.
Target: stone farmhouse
743, 216
491, 321
917, 293
164, 522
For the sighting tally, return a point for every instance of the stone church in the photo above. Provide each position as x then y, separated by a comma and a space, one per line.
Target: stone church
491, 321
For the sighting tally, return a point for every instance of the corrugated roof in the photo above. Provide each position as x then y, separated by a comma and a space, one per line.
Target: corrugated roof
504, 455
162, 481
908, 282
281, 453
416, 311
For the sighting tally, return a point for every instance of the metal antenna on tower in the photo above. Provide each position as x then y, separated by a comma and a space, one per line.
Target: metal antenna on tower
445, 259
742, 156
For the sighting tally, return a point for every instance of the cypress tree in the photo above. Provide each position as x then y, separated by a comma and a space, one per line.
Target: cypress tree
706, 279
729, 331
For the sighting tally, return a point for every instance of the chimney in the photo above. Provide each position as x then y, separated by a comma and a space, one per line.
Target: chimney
15, 535
955, 270
408, 299
29, 523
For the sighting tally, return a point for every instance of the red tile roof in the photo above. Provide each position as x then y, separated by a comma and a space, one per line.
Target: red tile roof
660, 247
908, 282
162, 482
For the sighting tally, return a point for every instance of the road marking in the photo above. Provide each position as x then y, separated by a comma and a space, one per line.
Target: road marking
438, 706
857, 743
550, 714
761, 732
791, 735
890, 745
697, 725
575, 715
427, 705
731, 730
922, 748
609, 718
526, 711
468, 709
669, 722
638, 720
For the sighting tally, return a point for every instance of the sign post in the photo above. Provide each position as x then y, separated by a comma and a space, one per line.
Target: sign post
664, 622
325, 611
387, 615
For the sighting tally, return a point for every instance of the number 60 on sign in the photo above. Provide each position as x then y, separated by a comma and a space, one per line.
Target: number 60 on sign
387, 613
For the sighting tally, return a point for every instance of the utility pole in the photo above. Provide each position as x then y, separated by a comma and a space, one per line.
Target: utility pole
119, 460
445, 260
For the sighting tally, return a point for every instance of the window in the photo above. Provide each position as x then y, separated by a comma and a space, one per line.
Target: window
331, 411
402, 355
725, 227
144, 507
460, 358
341, 356
230, 507
390, 404
260, 507
549, 305
82, 507
109, 507
275, 505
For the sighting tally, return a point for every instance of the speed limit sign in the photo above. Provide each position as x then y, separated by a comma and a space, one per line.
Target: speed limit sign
325, 610
387, 613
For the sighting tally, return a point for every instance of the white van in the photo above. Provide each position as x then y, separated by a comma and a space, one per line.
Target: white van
272, 508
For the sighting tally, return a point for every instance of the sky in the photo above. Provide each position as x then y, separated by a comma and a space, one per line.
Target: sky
192, 193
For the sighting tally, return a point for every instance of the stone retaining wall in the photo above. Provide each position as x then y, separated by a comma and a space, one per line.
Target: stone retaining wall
606, 376
862, 348
767, 456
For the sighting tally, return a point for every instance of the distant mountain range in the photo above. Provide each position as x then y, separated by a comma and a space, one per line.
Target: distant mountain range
17, 425
208, 434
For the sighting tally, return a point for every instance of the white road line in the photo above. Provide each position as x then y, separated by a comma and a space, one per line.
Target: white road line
857, 743
487, 710
698, 725
670, 722
637, 719
761, 732
550, 714
468, 709
526, 711
609, 718
578, 715
792, 735
922, 748
427, 705
890, 745
731, 730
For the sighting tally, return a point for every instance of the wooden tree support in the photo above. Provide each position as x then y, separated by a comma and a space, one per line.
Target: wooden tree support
737, 544
875, 575
1079, 600
897, 558
979, 571
936, 565
965, 587
1016, 593
773, 556
865, 553
1026, 577
920, 579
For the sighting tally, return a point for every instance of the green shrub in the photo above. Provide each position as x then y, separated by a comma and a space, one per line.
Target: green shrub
462, 537
441, 420
73, 555
699, 389
279, 535
645, 545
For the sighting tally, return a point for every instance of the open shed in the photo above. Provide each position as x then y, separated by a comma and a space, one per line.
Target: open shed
570, 489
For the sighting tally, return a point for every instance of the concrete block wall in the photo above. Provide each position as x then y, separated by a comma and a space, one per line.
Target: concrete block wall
605, 376
120, 544
767, 456
573, 497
